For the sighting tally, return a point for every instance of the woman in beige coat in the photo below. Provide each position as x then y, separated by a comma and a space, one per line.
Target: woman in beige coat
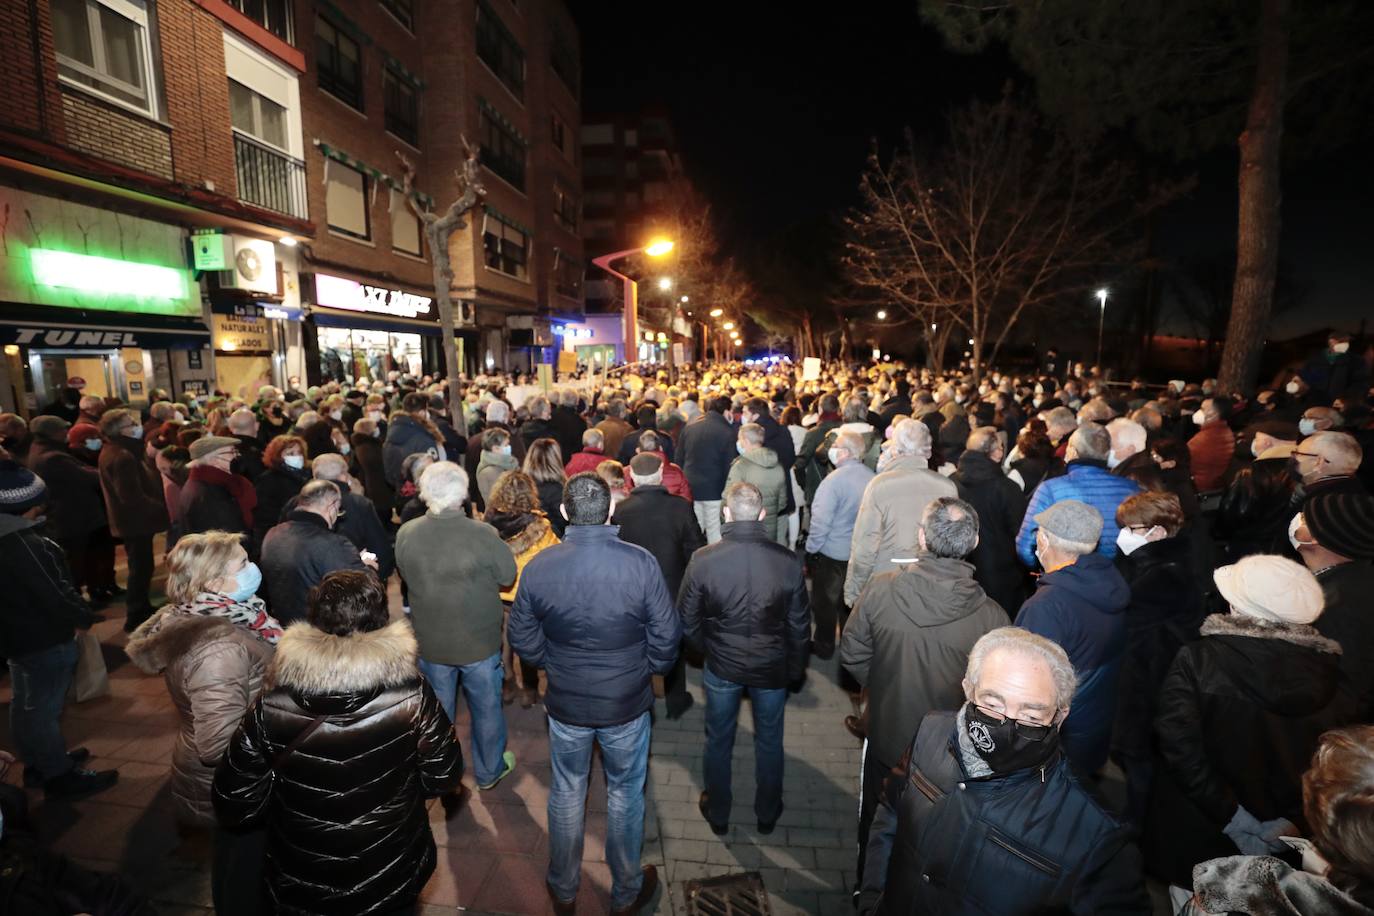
211, 643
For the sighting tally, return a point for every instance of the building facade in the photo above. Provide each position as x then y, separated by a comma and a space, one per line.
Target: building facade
206, 194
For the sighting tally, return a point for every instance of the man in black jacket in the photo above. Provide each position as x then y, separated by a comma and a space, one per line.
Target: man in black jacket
568, 425
303, 549
1000, 505
244, 426
39, 614
706, 448
664, 525
358, 520
744, 603
76, 510
985, 814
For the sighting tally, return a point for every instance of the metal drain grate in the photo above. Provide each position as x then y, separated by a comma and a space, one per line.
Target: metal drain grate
728, 895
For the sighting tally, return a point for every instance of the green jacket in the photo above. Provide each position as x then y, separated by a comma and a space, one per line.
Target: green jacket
809, 468
760, 467
455, 569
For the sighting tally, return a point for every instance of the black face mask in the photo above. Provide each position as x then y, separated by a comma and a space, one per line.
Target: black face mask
1008, 745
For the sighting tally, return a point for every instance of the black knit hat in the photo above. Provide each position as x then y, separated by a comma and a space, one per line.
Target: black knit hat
20, 489
1343, 523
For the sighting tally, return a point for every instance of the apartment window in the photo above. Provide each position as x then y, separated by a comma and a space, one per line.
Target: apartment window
502, 151
565, 208
257, 116
563, 61
497, 48
505, 248
556, 133
273, 15
345, 201
103, 45
567, 276
402, 106
339, 63
405, 228
402, 10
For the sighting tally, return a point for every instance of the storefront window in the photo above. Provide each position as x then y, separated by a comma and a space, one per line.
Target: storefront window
353, 356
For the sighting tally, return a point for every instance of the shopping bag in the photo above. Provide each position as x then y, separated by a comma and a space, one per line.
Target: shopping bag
90, 680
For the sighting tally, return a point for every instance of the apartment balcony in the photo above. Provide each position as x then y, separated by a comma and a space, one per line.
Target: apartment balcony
269, 178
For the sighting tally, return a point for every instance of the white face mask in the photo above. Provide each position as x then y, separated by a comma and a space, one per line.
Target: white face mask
1292, 387
1307, 427
374, 415
1255, 448
1113, 461
834, 455
345, 448
1130, 542
336, 414
93, 444
294, 461
1199, 417
1341, 347
1293, 527
1037, 401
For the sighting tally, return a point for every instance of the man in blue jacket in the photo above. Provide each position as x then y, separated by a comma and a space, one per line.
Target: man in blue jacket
1087, 481
1080, 603
595, 614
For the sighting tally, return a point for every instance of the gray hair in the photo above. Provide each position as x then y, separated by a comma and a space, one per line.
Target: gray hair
112, 421
1091, 441
1076, 548
567, 397
498, 412
855, 410
329, 466
951, 527
307, 419
364, 427
1027, 645
163, 410
752, 433
319, 493
1095, 411
1128, 432
851, 442
912, 437
983, 439
744, 501
593, 438
652, 480
1341, 449
647, 441
241, 422
443, 485
538, 407
1061, 418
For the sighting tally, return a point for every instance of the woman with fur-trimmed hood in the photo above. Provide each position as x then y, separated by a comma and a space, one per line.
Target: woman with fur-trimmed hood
337, 758
514, 511
211, 643
1239, 715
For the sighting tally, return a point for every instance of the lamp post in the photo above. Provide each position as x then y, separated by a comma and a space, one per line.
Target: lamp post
630, 318
1101, 316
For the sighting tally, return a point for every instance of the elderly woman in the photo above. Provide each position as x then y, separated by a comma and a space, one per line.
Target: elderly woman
1241, 709
211, 643
514, 511
285, 472
337, 757
495, 460
1164, 613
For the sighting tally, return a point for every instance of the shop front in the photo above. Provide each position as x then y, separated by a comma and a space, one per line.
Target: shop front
363, 331
597, 341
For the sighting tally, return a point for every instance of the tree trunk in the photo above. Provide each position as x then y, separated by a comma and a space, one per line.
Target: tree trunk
1257, 241
443, 280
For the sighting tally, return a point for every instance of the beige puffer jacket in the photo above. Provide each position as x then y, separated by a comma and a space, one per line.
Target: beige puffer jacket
214, 672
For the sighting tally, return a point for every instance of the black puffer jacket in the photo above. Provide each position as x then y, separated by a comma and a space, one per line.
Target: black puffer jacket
744, 604
1240, 713
296, 555
345, 813
39, 607
275, 488
1000, 505
664, 525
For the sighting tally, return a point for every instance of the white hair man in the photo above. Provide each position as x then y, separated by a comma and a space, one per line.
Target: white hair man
883, 529
1057, 848
1327, 463
834, 509
455, 569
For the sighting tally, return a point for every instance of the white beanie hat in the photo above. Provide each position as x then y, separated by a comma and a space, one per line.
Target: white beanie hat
1271, 588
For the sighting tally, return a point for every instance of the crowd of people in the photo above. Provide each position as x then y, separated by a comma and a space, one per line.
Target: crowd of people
1034, 580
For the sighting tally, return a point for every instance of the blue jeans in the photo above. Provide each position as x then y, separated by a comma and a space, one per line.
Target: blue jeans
482, 692
625, 758
40, 682
722, 717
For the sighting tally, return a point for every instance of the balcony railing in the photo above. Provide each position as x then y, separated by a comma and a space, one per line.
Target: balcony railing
269, 178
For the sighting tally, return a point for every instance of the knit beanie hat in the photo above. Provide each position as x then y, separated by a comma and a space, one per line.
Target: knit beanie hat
20, 489
1271, 588
1343, 523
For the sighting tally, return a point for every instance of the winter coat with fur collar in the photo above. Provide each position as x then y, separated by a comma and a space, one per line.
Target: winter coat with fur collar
213, 671
1265, 886
1239, 716
345, 812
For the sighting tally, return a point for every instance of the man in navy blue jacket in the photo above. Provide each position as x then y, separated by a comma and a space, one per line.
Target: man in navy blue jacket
1080, 603
595, 614
705, 449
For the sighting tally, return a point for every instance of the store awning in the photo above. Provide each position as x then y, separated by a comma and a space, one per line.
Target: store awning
100, 337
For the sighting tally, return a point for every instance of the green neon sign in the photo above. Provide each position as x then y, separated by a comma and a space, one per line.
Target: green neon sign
106, 276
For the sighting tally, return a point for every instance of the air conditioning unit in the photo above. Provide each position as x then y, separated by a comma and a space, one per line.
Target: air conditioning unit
252, 265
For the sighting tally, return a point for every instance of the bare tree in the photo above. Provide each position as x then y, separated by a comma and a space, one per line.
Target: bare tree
438, 230
1005, 217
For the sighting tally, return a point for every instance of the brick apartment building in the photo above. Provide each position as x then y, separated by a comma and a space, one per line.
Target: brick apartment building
200, 194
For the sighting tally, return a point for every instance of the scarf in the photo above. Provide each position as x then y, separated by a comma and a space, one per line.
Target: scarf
239, 487
250, 615
510, 524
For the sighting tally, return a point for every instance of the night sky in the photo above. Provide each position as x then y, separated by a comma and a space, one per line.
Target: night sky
775, 106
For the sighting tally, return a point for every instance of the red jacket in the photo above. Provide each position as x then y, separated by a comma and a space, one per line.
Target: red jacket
1210, 453
674, 481
585, 460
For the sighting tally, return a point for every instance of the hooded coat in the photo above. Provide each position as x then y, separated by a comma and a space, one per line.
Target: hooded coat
345, 812
908, 640
1082, 607
761, 467
213, 671
490, 466
1240, 714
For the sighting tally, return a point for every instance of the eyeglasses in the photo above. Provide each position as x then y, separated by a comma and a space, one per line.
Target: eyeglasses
1031, 731
1306, 455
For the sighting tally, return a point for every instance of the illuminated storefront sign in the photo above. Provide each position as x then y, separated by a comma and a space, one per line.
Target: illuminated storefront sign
571, 333
342, 293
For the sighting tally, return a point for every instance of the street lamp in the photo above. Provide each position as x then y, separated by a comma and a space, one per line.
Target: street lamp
1101, 316
729, 325
665, 283
657, 248
716, 313
686, 299
882, 314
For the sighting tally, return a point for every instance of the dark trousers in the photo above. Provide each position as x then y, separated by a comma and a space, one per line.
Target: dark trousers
90, 557
870, 791
40, 682
139, 606
236, 874
827, 599
675, 688
722, 718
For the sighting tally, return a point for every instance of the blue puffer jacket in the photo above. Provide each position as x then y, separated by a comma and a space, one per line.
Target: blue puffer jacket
1083, 608
595, 614
1086, 481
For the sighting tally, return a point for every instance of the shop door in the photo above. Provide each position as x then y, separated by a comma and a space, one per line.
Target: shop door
51, 369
